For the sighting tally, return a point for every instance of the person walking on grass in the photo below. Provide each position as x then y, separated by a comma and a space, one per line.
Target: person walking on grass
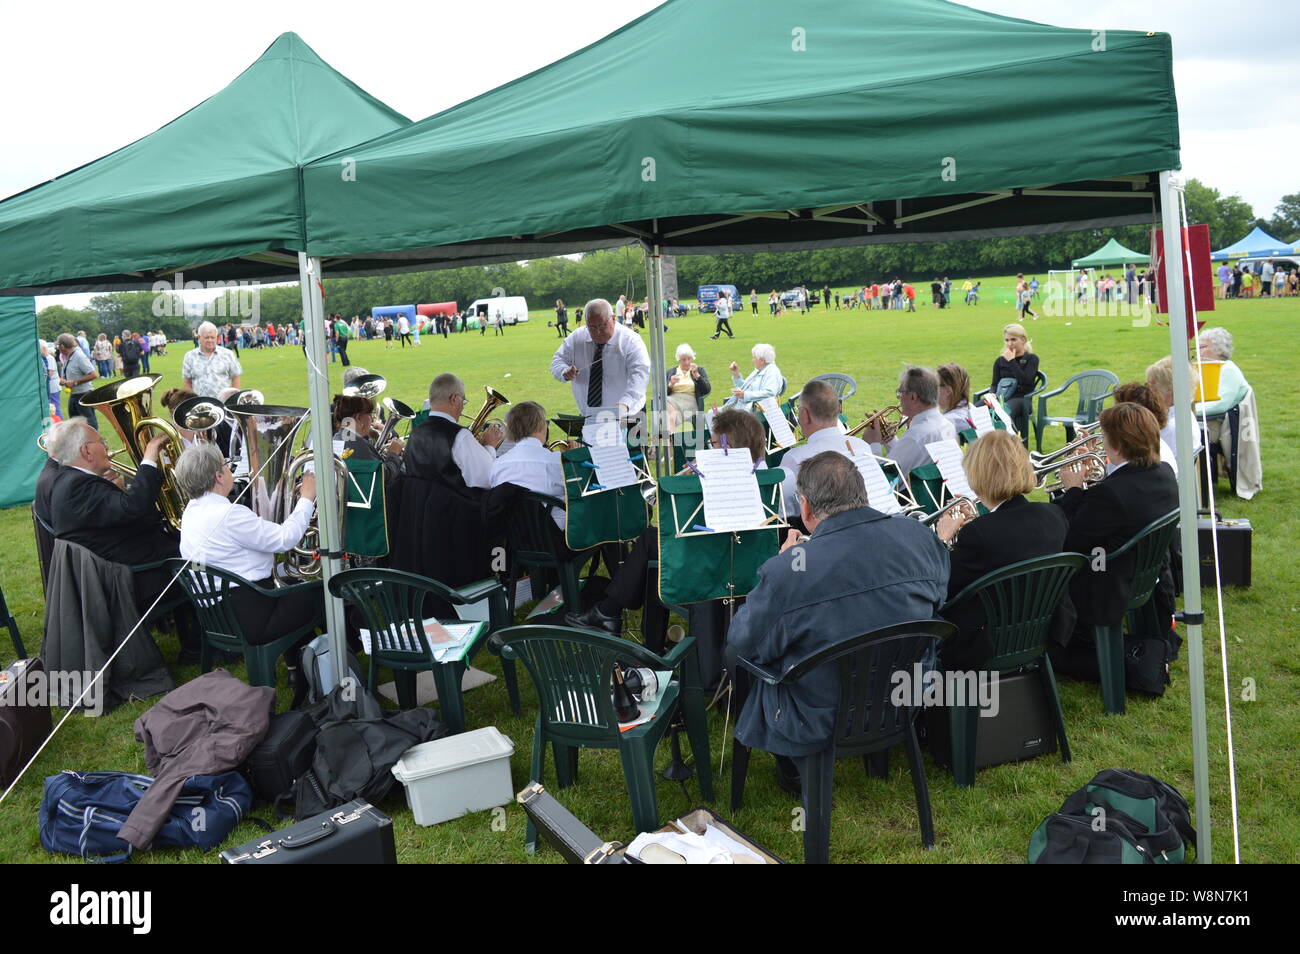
722, 315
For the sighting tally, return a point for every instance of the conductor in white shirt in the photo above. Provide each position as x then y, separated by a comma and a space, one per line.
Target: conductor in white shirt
606, 363
231, 537
819, 418
918, 397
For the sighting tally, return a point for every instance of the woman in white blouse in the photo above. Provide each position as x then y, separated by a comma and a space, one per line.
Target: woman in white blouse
217, 533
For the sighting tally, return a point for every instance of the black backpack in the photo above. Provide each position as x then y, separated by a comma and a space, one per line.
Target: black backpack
357, 745
1120, 817
130, 351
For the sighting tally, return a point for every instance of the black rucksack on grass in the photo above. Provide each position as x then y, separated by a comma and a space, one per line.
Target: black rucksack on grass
1120, 817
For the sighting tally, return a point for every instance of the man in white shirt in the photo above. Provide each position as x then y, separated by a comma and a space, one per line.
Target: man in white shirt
606, 363
918, 396
471, 456
819, 418
528, 463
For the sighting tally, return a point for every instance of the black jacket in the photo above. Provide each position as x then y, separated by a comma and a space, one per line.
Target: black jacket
1017, 530
1024, 369
435, 522
1104, 518
122, 527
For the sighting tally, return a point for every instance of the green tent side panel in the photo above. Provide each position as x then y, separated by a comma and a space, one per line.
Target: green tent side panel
23, 404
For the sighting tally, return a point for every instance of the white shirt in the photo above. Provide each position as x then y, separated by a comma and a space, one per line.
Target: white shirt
827, 439
232, 537
473, 459
625, 365
1168, 434
531, 465
960, 417
403, 326
909, 450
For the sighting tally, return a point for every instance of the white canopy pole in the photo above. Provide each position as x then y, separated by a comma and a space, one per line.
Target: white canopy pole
659, 439
322, 442
1183, 424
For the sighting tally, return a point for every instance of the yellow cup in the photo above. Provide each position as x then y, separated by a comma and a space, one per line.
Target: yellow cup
1209, 383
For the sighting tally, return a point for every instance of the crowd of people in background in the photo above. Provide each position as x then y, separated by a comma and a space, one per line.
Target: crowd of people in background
1258, 280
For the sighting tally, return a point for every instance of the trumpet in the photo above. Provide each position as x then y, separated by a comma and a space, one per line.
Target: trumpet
1044, 462
1096, 471
889, 420
495, 399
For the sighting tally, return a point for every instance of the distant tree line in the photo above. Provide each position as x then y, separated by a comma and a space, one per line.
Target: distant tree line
614, 272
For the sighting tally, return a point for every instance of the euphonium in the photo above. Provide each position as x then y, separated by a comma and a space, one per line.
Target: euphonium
889, 419
201, 415
302, 562
127, 406
397, 412
494, 400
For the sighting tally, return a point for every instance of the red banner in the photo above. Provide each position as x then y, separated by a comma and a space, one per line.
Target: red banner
1198, 280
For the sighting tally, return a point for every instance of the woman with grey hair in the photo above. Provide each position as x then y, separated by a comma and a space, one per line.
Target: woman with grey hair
215, 532
688, 386
1215, 344
764, 381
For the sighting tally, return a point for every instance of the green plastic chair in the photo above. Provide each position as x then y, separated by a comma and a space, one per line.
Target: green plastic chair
392, 604
1150, 547
867, 723
1094, 387
927, 487
536, 544
844, 385
1019, 601
207, 587
573, 672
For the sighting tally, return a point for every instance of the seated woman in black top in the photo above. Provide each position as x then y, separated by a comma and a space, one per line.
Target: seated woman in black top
627, 588
998, 469
355, 426
1019, 362
1103, 518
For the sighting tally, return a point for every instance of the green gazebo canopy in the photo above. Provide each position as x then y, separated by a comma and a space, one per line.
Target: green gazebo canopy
1112, 253
214, 193
704, 126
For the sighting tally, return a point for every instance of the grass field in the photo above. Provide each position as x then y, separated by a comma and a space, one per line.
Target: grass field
874, 820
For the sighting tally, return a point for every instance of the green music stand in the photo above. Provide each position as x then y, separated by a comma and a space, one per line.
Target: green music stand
596, 515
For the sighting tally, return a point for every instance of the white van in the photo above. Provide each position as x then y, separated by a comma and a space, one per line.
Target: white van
514, 308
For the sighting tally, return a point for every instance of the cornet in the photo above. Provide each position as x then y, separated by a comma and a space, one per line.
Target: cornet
1096, 471
889, 420
963, 506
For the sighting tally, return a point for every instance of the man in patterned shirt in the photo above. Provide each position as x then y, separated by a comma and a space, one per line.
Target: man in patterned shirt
209, 368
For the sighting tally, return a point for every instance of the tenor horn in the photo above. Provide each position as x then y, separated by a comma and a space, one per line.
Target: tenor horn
495, 399
127, 405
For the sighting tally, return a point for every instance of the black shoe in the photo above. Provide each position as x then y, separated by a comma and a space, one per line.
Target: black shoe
787, 776
593, 618
187, 657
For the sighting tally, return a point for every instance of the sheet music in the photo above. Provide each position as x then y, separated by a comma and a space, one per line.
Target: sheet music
781, 432
731, 496
993, 402
608, 449
982, 419
879, 496
948, 456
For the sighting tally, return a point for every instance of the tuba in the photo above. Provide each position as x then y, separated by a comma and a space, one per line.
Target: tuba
127, 404
495, 399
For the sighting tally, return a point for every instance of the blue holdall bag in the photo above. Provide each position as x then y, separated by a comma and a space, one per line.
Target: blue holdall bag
82, 812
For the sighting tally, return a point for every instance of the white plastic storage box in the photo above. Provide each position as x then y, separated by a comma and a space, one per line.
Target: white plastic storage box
450, 777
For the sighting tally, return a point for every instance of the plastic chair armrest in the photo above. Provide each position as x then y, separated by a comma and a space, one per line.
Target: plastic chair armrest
758, 671
472, 592
673, 658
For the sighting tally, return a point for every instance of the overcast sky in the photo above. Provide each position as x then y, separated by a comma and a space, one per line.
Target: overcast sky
78, 80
